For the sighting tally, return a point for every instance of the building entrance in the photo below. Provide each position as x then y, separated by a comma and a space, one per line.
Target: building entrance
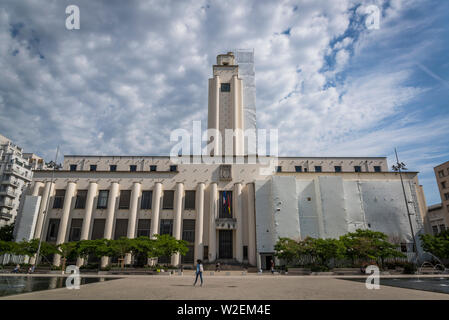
225, 244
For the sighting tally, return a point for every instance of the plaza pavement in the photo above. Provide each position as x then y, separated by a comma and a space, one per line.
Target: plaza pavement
231, 287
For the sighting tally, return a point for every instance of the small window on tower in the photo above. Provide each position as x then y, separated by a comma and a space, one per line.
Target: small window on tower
225, 87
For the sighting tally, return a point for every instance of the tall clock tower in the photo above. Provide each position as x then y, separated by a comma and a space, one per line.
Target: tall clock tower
225, 109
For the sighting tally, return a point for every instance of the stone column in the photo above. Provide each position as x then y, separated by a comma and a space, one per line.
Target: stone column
36, 188
155, 210
179, 193
212, 217
131, 234
110, 214
251, 226
199, 223
63, 225
238, 211
91, 193
42, 209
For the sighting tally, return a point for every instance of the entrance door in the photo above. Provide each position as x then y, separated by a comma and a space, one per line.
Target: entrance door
268, 262
225, 244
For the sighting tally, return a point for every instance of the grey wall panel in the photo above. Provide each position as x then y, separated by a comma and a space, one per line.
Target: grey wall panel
333, 205
355, 213
27, 218
285, 203
385, 208
308, 218
265, 231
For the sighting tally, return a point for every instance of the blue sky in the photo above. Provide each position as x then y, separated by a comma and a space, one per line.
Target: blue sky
135, 71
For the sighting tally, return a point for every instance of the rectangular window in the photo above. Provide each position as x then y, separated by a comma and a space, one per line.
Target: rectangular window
125, 197
317, 168
153, 168
80, 202
442, 227
245, 252
146, 201
446, 196
298, 168
98, 229
188, 230
73, 167
53, 228
305, 170
166, 226
377, 169
143, 227
225, 87
337, 168
133, 168
121, 228
357, 168
113, 167
189, 257
59, 199
403, 247
443, 184
279, 169
205, 252
75, 230
189, 203
225, 204
93, 167
103, 199
441, 174
167, 203
173, 168
435, 230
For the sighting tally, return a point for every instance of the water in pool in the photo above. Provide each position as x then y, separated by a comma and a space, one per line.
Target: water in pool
22, 284
434, 284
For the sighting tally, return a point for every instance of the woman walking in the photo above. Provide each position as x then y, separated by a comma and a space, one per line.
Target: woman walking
199, 272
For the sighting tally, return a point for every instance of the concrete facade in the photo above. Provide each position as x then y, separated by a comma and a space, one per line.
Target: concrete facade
227, 212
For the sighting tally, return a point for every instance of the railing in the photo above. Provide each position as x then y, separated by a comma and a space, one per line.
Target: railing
226, 223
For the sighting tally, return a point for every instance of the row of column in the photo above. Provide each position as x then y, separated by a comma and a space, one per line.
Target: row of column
156, 206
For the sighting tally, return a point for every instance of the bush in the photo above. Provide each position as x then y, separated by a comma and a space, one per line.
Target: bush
410, 268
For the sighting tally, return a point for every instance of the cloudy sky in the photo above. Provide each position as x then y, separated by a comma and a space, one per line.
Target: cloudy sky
137, 70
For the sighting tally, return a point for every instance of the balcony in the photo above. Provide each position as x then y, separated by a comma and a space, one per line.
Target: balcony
6, 204
225, 223
17, 173
11, 182
8, 193
5, 216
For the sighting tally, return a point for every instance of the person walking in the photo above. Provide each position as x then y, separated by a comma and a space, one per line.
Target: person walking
217, 267
16, 269
199, 272
272, 267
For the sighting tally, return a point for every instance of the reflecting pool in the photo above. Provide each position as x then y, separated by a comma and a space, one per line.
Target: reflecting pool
22, 284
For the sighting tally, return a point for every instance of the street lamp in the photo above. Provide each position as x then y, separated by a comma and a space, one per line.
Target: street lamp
398, 167
54, 165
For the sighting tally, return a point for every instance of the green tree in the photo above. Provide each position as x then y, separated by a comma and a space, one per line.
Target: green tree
120, 248
143, 248
438, 245
369, 245
86, 248
6, 232
67, 250
166, 245
7, 247
287, 250
323, 250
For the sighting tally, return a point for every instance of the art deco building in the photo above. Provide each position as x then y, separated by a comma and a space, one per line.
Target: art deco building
226, 211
